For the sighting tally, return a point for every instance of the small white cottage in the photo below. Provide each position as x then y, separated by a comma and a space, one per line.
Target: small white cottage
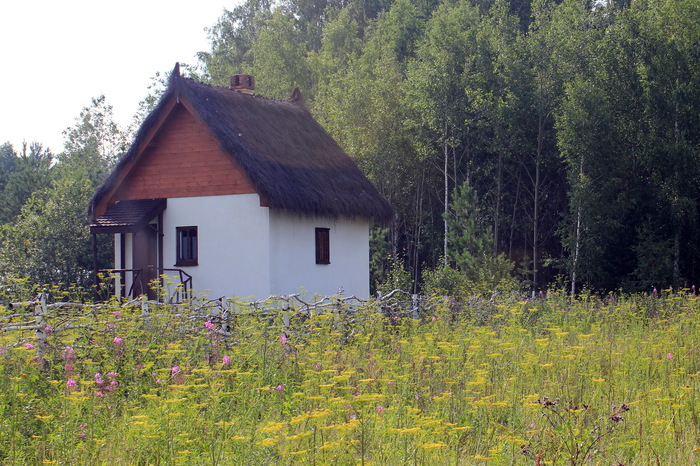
234, 194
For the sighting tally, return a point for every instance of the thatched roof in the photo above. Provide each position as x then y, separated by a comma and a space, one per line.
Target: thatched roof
291, 160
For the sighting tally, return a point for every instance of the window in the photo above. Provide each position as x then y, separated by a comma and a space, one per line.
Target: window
323, 251
187, 249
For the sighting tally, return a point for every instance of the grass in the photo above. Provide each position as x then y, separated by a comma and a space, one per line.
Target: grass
599, 380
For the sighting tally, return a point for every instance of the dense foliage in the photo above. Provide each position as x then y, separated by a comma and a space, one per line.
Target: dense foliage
596, 381
574, 124
563, 135
44, 230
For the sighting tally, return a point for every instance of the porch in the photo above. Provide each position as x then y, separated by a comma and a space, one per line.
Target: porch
173, 286
137, 227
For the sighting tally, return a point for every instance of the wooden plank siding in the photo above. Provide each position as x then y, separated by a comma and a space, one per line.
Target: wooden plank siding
183, 160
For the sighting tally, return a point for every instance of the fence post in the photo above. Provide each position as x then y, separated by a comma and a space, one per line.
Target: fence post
214, 311
42, 332
225, 316
144, 311
339, 318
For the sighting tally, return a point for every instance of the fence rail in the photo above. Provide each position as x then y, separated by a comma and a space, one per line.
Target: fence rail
41, 320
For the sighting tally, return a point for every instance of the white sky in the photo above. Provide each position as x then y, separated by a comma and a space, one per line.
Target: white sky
55, 55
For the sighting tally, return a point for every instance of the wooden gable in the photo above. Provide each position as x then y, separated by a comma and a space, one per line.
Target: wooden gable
181, 159
205, 140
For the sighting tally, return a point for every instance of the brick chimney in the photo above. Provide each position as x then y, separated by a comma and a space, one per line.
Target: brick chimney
243, 83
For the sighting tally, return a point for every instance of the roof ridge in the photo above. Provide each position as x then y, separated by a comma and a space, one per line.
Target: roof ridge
293, 98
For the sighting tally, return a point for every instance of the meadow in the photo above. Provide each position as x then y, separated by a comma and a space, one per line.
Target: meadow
600, 380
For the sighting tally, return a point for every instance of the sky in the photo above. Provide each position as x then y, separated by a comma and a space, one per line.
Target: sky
56, 55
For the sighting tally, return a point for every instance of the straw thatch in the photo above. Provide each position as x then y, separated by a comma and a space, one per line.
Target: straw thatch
292, 161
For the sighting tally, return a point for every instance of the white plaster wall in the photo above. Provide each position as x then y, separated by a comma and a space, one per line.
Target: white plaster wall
233, 238
128, 259
293, 265
128, 251
117, 254
117, 251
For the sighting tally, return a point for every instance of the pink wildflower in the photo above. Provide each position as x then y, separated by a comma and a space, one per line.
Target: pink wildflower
279, 388
48, 329
28, 346
71, 383
175, 370
117, 341
68, 353
380, 409
283, 338
117, 313
226, 360
669, 356
208, 324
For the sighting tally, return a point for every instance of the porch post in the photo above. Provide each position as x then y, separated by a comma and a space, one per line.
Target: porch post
160, 246
94, 262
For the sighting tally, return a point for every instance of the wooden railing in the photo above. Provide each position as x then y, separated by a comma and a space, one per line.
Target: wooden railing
183, 289
113, 278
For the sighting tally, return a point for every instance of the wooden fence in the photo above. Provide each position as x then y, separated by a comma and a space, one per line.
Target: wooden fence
40, 320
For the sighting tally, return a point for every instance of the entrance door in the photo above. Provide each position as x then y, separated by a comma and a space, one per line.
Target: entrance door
146, 259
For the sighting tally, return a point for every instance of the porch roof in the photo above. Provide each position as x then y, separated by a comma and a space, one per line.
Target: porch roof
128, 216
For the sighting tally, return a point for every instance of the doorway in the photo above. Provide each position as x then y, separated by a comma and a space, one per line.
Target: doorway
146, 259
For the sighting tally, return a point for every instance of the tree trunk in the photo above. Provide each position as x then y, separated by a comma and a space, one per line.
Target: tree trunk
419, 213
577, 236
536, 200
677, 234
447, 186
496, 217
513, 217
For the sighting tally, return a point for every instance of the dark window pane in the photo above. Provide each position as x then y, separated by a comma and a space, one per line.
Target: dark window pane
323, 255
186, 246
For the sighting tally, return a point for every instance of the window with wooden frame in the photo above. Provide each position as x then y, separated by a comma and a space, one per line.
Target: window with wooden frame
187, 247
323, 246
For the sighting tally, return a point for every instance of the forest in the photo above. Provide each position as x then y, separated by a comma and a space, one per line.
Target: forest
551, 143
